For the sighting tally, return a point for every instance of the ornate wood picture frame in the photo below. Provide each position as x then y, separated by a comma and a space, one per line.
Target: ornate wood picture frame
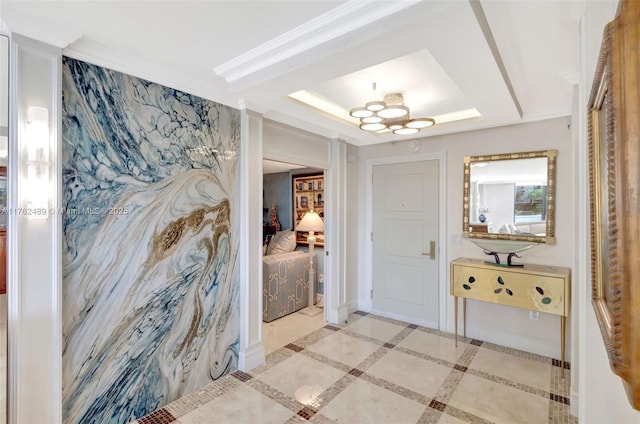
614, 171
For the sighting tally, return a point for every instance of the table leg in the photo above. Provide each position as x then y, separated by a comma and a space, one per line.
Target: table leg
464, 317
455, 318
563, 331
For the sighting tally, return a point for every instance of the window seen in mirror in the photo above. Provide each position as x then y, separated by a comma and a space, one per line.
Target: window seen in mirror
530, 203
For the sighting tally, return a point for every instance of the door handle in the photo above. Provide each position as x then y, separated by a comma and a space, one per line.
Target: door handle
432, 252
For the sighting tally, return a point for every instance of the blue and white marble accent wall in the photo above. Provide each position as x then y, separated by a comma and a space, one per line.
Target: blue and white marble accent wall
150, 278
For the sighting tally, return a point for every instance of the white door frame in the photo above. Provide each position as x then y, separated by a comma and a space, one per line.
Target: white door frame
441, 157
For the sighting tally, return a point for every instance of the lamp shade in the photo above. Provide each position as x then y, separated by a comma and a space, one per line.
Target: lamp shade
311, 221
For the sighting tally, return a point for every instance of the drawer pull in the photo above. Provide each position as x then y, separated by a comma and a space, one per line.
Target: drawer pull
539, 289
498, 290
509, 292
546, 300
500, 281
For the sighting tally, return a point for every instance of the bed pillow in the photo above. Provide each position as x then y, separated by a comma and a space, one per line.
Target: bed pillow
282, 241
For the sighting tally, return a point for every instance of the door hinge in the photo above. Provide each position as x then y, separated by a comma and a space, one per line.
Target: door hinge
371, 293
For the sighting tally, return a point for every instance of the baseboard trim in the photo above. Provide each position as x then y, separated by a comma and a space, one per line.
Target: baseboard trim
352, 306
251, 357
341, 314
538, 346
573, 407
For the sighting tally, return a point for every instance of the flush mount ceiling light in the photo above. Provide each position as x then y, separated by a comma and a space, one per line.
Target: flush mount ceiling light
389, 114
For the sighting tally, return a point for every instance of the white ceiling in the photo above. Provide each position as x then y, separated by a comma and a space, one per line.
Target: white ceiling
513, 61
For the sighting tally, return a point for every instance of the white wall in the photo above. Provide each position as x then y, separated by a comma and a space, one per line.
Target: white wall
499, 324
288, 144
601, 393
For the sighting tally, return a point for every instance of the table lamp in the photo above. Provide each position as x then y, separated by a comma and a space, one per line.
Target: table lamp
312, 223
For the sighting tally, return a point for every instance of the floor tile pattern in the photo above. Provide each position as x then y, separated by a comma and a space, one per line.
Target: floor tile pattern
373, 369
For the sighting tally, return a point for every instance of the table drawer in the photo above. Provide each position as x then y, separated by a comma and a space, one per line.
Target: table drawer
519, 289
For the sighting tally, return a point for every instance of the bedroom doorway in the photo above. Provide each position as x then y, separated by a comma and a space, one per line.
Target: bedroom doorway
289, 191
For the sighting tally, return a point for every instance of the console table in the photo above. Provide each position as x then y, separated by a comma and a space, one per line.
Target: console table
533, 287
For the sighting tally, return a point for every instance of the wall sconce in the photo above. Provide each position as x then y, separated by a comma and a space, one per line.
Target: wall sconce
38, 163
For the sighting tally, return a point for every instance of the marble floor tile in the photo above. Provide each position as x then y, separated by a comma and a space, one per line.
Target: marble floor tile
499, 403
285, 330
363, 402
343, 348
375, 328
520, 370
434, 345
419, 375
301, 377
354, 374
448, 419
242, 405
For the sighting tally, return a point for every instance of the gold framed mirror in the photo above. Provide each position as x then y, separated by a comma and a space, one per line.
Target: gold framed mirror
510, 196
614, 172
605, 291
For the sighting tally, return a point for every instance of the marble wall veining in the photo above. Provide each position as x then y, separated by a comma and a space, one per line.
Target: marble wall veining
150, 278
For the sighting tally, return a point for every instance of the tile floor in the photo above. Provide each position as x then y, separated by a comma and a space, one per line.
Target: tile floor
377, 370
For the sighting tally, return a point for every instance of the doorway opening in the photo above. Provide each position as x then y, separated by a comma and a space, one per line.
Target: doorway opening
290, 279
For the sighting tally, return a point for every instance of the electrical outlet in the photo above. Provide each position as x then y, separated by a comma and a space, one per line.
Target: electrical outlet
534, 315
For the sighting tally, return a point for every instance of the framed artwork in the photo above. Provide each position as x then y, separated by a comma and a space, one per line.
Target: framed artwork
307, 192
614, 173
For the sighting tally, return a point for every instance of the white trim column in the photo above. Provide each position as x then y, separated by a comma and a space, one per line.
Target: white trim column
34, 243
251, 347
337, 309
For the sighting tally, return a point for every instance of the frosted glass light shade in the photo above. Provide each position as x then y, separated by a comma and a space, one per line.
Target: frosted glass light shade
360, 112
394, 111
420, 123
373, 119
311, 221
375, 106
406, 131
373, 127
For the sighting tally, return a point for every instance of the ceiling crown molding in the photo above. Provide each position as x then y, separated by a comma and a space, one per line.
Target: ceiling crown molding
346, 18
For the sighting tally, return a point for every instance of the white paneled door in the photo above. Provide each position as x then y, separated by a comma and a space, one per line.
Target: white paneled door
405, 241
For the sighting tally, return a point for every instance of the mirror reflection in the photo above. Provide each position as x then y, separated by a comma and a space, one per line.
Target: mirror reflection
510, 196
